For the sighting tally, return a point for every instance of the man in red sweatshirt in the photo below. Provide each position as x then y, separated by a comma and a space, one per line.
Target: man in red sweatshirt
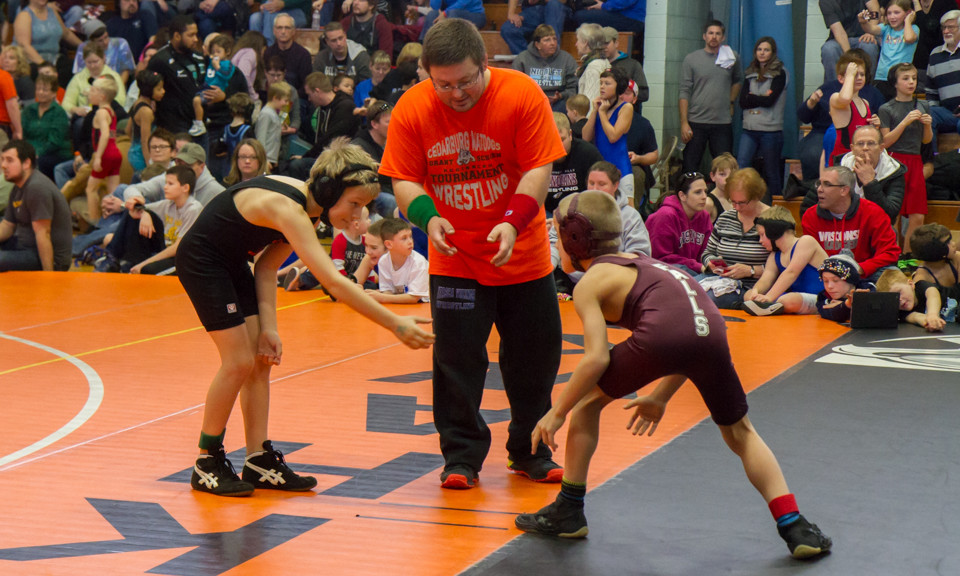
842, 219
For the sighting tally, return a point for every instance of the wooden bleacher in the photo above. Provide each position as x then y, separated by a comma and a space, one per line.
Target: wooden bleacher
310, 39
568, 42
497, 15
938, 211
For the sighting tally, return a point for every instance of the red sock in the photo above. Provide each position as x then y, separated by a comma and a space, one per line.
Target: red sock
782, 505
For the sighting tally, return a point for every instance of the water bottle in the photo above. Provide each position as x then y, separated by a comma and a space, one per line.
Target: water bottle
316, 20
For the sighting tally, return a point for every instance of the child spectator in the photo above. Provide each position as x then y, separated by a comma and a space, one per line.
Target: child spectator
268, 125
289, 114
906, 125
219, 73
791, 280
406, 75
379, 68
46, 126
158, 227
841, 278
393, 82
578, 106
679, 229
848, 110
347, 252
404, 276
677, 333
897, 38
608, 124
922, 303
241, 107
343, 83
373, 250
142, 115
934, 247
249, 59
720, 169
106, 158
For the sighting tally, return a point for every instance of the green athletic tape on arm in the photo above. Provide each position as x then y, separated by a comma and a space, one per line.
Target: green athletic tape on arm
421, 211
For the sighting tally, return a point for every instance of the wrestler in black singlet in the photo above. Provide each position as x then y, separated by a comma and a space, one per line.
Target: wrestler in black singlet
213, 257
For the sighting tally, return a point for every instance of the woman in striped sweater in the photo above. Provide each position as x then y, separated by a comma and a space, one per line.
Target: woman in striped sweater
734, 250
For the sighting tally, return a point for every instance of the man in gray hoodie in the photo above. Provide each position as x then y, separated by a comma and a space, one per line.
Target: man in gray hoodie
342, 55
553, 69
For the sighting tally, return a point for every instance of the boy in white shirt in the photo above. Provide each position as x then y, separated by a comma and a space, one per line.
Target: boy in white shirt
404, 274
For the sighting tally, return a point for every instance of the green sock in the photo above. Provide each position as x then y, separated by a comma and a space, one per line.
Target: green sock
211, 443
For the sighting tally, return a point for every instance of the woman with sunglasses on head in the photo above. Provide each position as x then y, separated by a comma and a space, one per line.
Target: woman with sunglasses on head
680, 227
734, 256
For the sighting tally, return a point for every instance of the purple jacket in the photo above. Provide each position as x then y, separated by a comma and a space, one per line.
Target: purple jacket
676, 239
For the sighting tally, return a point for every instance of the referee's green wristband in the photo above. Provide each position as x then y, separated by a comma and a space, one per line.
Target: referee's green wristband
421, 211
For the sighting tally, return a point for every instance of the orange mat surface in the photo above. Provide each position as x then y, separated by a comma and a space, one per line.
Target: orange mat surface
103, 378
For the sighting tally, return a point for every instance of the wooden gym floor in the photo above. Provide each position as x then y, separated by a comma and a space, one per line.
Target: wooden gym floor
103, 378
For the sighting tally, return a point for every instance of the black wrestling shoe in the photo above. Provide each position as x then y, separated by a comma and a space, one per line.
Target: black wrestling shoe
563, 519
268, 470
214, 474
766, 309
804, 539
542, 469
458, 477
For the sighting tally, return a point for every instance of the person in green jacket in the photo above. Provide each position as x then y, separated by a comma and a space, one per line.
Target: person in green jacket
46, 126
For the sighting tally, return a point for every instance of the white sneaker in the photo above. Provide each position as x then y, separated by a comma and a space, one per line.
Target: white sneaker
758, 309
197, 129
291, 281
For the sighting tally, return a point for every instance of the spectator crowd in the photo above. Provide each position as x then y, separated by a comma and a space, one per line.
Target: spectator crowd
123, 124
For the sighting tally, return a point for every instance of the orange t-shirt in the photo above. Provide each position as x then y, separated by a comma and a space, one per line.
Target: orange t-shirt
470, 163
7, 91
